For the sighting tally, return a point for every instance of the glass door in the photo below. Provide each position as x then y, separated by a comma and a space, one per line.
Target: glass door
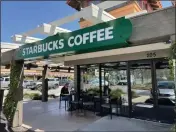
165, 90
142, 87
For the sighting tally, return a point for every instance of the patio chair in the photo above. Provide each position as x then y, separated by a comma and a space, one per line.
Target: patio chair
75, 102
111, 104
88, 101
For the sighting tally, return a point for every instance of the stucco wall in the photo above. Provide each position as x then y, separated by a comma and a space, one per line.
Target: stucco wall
119, 12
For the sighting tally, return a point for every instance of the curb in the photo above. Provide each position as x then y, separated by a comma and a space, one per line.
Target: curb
30, 129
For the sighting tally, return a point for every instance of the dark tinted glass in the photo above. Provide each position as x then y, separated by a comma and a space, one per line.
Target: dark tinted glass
166, 85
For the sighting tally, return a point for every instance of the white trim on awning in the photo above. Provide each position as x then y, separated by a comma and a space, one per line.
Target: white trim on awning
121, 54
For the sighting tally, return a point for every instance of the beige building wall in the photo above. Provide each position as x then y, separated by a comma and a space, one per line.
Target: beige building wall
119, 12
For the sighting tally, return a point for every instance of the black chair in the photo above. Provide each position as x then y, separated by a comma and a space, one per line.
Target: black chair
88, 101
112, 103
75, 102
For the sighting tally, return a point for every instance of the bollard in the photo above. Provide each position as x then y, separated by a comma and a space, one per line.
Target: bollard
45, 91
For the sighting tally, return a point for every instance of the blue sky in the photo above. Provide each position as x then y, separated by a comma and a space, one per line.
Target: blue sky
18, 16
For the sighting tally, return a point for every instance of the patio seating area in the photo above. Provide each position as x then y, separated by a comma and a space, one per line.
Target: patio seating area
48, 117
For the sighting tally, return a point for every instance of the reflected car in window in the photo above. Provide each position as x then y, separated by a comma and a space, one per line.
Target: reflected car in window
29, 84
166, 89
95, 83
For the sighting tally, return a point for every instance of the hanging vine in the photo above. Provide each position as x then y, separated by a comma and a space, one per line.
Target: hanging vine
171, 65
172, 57
11, 100
171, 71
173, 51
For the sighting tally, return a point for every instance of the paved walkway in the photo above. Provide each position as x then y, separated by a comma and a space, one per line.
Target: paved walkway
48, 117
125, 124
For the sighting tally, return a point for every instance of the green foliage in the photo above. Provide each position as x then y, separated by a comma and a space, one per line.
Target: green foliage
13, 95
173, 129
116, 93
171, 67
33, 96
26, 95
70, 78
173, 51
172, 56
133, 94
93, 91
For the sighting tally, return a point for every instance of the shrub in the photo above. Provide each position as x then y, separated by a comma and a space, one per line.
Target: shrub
173, 129
26, 95
133, 94
35, 96
115, 94
93, 91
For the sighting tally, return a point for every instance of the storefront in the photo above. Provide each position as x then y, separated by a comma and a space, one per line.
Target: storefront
107, 48
139, 66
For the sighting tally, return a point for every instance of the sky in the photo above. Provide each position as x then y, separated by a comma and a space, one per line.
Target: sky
20, 16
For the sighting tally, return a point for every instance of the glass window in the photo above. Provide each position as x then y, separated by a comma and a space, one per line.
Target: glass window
166, 85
